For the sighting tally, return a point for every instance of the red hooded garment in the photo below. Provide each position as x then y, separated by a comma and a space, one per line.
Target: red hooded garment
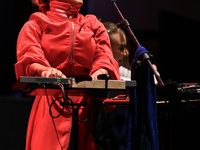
74, 44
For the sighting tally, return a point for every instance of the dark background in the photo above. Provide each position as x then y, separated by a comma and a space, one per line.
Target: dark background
168, 29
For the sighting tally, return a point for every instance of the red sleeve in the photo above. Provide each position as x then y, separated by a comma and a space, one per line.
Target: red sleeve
29, 48
104, 56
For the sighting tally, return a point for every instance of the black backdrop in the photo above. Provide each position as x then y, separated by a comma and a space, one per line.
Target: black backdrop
179, 48
13, 15
176, 54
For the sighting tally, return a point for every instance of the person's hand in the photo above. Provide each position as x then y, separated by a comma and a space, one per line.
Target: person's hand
99, 72
36, 69
53, 73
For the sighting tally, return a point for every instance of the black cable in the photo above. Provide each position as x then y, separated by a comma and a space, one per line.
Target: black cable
72, 104
66, 100
53, 117
50, 112
67, 105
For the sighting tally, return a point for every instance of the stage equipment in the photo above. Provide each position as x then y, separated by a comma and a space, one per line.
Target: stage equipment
74, 86
146, 57
102, 88
144, 98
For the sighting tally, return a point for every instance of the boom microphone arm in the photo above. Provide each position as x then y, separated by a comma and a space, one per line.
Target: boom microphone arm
146, 57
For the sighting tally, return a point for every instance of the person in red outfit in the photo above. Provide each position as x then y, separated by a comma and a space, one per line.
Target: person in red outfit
60, 42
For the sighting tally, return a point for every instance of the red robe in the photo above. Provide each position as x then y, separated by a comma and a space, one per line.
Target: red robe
76, 45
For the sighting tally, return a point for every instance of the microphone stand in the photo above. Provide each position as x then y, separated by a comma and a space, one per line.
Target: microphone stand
140, 80
145, 55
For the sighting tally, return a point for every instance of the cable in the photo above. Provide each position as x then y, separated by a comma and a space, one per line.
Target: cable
66, 99
72, 104
67, 104
53, 117
50, 112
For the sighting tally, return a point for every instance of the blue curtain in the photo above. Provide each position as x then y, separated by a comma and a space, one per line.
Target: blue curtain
149, 117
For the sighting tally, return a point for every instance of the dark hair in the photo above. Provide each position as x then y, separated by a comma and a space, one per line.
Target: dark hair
111, 27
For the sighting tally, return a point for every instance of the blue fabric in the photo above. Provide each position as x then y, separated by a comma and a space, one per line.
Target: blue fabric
150, 110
